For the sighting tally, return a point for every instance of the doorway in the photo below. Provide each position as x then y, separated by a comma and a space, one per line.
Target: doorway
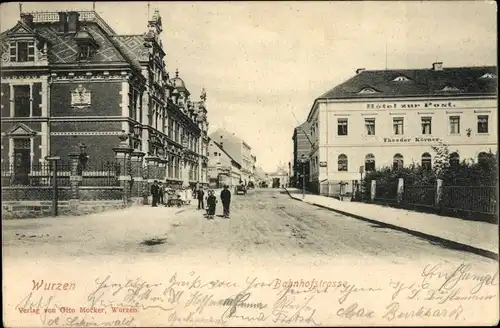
22, 161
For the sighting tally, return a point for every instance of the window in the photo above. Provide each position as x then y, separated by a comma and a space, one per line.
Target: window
427, 161
22, 51
454, 159
22, 102
85, 52
342, 161
482, 124
455, 124
401, 79
370, 126
398, 161
369, 163
397, 123
426, 125
368, 90
482, 157
342, 127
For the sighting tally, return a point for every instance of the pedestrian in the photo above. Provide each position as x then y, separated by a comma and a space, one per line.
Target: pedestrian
211, 203
225, 197
161, 193
200, 194
155, 189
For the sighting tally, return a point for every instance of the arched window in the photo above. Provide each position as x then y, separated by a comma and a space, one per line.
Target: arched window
454, 159
369, 163
426, 161
482, 157
397, 161
342, 161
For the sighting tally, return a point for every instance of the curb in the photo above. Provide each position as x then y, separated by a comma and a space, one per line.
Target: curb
442, 241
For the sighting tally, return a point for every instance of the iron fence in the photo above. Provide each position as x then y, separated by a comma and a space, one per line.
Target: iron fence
36, 175
420, 195
103, 175
386, 192
475, 199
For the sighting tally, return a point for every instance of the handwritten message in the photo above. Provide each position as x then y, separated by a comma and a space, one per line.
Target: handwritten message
438, 292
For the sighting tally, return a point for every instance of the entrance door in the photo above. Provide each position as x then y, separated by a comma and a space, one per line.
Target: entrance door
22, 161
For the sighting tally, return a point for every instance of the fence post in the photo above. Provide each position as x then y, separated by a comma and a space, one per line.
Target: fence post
75, 179
373, 189
401, 190
122, 156
55, 196
439, 193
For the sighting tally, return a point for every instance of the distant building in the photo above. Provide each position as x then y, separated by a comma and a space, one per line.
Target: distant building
222, 168
279, 179
392, 117
301, 148
238, 149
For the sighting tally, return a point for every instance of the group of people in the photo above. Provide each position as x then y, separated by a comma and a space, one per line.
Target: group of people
211, 201
183, 196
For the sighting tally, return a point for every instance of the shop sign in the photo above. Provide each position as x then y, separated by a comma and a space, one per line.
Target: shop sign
411, 105
412, 139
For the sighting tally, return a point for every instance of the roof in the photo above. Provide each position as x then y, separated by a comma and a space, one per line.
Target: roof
230, 157
457, 81
63, 47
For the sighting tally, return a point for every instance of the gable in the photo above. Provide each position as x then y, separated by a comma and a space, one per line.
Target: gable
21, 130
20, 29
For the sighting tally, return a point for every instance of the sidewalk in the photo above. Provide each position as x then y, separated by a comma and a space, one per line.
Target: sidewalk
472, 236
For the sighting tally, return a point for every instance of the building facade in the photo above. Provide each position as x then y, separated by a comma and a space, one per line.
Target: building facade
394, 117
69, 79
222, 168
238, 149
301, 149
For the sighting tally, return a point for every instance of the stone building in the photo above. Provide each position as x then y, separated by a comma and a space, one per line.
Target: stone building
222, 168
69, 79
393, 117
301, 149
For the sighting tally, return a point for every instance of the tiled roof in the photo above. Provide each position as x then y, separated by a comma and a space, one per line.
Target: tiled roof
225, 152
63, 48
417, 82
132, 47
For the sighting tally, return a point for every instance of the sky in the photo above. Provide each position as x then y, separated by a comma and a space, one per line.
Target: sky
263, 63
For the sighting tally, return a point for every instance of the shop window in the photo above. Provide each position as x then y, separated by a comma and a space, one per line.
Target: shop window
370, 126
342, 127
426, 125
427, 161
482, 124
22, 95
398, 124
454, 124
342, 162
369, 163
454, 159
398, 161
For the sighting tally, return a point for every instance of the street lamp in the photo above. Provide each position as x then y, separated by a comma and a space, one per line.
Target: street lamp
303, 160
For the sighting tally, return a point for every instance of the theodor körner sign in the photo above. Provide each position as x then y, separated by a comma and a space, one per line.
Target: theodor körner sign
412, 139
412, 105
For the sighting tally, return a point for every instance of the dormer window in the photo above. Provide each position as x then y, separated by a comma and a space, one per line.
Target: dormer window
86, 43
488, 76
22, 51
85, 52
368, 90
401, 79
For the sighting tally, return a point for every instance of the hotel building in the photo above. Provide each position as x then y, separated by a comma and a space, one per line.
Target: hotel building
394, 117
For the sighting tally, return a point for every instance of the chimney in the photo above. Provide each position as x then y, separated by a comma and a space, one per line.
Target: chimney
27, 19
73, 23
63, 22
437, 66
359, 70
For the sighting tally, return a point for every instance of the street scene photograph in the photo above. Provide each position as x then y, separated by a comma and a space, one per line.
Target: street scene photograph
212, 164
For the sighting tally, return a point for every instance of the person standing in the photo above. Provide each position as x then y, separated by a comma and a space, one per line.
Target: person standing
200, 194
211, 203
225, 197
155, 190
161, 193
